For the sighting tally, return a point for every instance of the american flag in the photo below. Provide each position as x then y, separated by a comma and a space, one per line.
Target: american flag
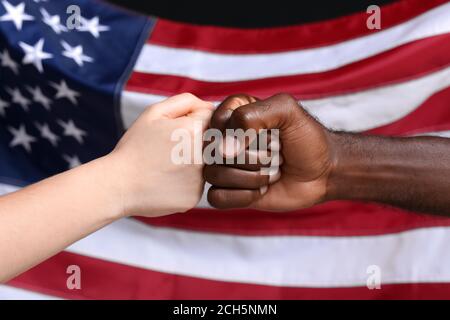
66, 95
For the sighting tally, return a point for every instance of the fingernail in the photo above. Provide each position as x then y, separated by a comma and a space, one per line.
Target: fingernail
263, 189
274, 145
274, 174
277, 160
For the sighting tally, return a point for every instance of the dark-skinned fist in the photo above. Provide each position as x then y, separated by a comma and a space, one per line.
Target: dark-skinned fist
305, 149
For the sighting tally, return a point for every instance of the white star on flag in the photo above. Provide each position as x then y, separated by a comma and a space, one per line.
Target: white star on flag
92, 26
15, 14
21, 138
17, 97
53, 22
3, 106
46, 133
71, 130
75, 53
73, 162
63, 91
8, 62
39, 97
35, 54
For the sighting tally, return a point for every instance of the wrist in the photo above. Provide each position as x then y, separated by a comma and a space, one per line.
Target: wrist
365, 167
111, 179
334, 146
349, 172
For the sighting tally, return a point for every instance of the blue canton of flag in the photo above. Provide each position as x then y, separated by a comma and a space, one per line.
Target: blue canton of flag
60, 87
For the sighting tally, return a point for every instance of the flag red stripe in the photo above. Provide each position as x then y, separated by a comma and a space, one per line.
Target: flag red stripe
331, 219
233, 40
426, 55
102, 279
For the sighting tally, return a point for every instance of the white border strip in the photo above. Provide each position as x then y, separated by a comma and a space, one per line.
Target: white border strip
216, 67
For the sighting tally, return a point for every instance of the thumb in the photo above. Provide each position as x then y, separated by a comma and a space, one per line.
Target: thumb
223, 112
277, 112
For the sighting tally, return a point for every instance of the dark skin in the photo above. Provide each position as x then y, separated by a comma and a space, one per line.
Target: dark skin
320, 165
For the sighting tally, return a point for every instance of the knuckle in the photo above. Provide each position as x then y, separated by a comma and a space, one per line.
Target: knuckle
239, 99
241, 117
293, 108
149, 109
286, 98
188, 96
150, 113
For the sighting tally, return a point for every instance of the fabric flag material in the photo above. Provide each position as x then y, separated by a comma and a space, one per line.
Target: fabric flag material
66, 95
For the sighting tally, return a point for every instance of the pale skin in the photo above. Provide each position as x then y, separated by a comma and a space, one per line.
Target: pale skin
137, 178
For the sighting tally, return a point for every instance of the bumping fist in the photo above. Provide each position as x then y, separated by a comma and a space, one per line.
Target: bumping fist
305, 148
151, 183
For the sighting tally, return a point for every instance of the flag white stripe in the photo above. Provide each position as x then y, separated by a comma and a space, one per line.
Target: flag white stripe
299, 261
7, 188
217, 67
11, 293
363, 110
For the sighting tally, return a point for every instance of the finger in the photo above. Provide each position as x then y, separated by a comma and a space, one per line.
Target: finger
248, 160
225, 109
232, 198
178, 106
228, 177
230, 146
276, 112
265, 146
254, 160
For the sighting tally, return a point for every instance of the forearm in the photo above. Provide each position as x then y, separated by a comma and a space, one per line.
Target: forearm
43, 219
411, 173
